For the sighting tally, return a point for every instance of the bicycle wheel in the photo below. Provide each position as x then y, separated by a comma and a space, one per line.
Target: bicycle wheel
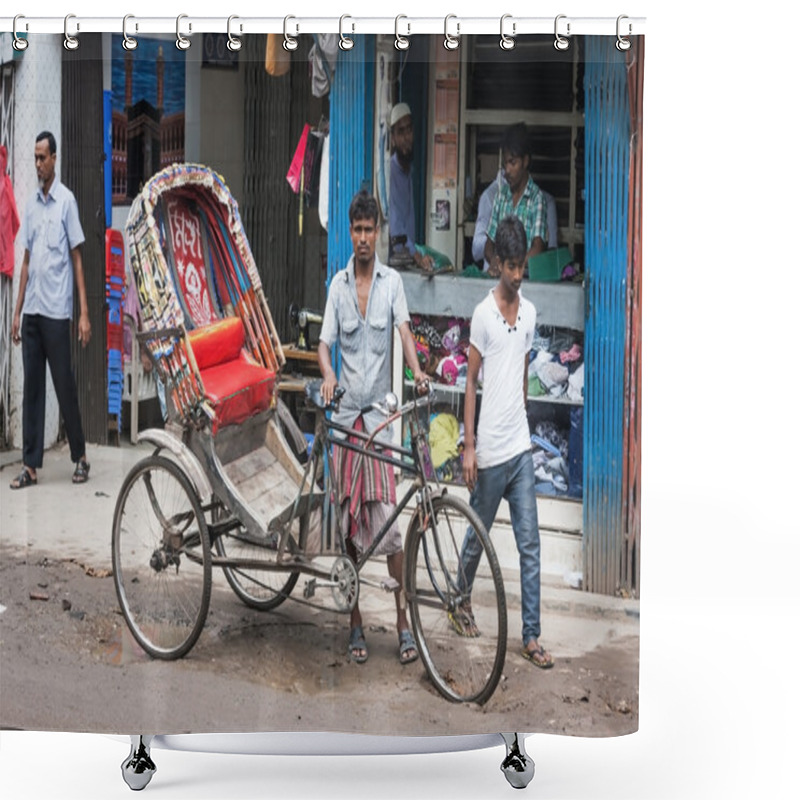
262, 589
463, 668
162, 558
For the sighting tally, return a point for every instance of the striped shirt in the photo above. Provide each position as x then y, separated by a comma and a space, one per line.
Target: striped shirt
531, 209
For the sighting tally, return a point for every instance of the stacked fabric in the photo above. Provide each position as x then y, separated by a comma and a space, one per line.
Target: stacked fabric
556, 365
550, 458
442, 348
556, 370
445, 436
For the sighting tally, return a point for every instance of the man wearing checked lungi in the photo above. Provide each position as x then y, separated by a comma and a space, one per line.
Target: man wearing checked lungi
365, 302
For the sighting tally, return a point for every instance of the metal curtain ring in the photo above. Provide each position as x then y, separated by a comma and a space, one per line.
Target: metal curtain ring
234, 43
561, 43
450, 41
401, 42
70, 42
181, 42
623, 44
128, 42
19, 43
507, 42
289, 43
345, 42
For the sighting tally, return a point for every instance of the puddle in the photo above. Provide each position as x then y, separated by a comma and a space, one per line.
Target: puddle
120, 649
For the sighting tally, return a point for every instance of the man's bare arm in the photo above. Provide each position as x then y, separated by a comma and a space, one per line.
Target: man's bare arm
329, 381
84, 325
23, 283
410, 353
470, 464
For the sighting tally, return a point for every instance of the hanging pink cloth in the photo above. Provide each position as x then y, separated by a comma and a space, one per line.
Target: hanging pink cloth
9, 218
296, 167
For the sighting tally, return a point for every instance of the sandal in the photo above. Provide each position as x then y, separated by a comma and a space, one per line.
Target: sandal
357, 648
23, 480
408, 647
538, 656
81, 474
463, 622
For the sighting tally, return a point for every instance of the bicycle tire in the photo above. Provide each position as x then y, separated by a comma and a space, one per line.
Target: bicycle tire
463, 669
161, 556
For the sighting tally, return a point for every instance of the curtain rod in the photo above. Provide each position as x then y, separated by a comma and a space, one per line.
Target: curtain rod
451, 27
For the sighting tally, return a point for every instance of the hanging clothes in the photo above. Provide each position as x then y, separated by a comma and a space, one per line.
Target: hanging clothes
323, 56
324, 172
9, 217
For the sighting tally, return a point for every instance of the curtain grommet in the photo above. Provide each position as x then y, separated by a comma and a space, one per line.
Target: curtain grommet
289, 42
70, 42
450, 41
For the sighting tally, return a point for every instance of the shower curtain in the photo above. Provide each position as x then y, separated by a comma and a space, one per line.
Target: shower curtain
120, 115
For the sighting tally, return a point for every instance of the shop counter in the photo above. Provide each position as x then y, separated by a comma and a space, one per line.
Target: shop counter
450, 295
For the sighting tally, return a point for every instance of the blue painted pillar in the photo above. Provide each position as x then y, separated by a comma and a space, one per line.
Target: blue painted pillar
607, 174
350, 146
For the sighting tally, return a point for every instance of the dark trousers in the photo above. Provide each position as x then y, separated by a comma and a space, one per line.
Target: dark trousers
47, 341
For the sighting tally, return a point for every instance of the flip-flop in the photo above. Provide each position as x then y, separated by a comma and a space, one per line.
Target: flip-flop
357, 642
23, 480
408, 647
544, 660
81, 474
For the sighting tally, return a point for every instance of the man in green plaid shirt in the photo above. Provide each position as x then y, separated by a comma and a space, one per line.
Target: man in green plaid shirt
518, 196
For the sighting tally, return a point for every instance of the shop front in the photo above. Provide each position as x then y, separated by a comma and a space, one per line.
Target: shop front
581, 114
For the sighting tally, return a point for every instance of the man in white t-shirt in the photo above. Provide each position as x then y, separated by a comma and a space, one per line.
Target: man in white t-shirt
498, 462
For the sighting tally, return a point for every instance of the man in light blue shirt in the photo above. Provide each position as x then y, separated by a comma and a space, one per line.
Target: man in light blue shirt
366, 301
51, 267
402, 225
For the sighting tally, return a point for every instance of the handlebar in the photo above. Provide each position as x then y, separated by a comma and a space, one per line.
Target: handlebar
421, 399
388, 407
314, 394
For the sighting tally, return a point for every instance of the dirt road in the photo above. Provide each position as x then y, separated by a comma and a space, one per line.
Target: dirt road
69, 663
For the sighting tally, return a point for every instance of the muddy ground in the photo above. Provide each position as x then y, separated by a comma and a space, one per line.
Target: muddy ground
67, 662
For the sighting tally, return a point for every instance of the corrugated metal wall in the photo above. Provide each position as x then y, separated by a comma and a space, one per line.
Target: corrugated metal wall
350, 144
607, 187
276, 108
81, 158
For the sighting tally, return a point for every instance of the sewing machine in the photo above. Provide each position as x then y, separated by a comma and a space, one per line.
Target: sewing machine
302, 319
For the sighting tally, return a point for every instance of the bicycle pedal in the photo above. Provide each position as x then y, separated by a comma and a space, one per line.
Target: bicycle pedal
310, 589
390, 585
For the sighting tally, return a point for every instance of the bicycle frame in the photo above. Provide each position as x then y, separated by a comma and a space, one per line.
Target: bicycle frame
322, 448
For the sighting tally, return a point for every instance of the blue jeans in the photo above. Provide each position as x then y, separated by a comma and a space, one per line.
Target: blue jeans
513, 481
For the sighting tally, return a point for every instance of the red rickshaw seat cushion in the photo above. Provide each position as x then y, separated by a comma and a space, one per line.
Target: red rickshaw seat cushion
234, 384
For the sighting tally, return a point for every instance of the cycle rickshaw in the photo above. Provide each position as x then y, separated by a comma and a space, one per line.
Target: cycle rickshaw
231, 484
